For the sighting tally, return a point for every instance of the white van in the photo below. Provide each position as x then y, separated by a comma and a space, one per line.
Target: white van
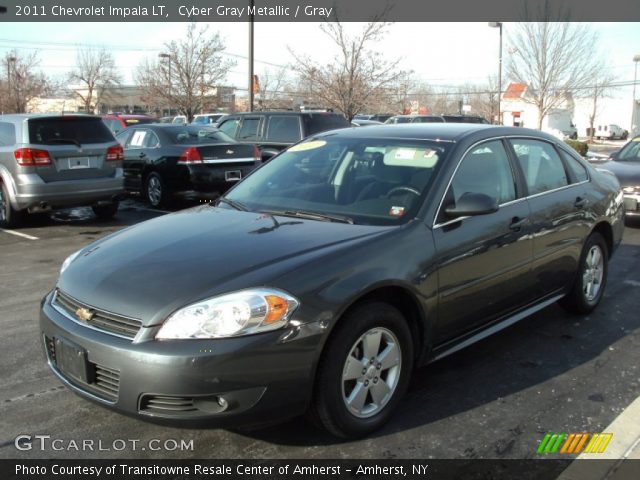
610, 132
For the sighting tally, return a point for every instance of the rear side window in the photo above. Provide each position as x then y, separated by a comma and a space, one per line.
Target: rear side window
630, 152
322, 122
249, 129
67, 130
229, 126
428, 120
7, 133
283, 128
576, 169
543, 170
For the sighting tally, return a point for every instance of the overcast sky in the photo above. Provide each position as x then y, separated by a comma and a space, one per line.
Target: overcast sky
439, 53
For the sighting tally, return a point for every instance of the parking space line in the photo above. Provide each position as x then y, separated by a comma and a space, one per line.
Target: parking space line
18, 234
146, 209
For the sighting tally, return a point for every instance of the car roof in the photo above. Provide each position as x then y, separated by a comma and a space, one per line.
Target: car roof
127, 115
451, 132
24, 116
287, 112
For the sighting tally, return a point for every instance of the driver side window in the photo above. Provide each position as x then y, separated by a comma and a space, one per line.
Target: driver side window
485, 169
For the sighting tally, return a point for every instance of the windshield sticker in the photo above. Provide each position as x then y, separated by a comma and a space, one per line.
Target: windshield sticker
301, 147
396, 211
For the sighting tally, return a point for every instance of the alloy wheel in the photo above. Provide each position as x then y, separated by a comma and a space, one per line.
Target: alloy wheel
593, 273
154, 189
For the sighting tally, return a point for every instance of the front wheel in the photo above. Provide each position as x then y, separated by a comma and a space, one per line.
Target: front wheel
363, 372
591, 279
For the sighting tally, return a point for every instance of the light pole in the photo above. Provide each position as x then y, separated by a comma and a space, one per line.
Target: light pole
636, 59
167, 57
251, 58
499, 25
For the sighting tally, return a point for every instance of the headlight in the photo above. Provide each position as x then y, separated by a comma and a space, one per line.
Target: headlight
231, 315
68, 261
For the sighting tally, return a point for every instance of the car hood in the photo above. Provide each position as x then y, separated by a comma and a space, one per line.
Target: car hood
628, 173
149, 270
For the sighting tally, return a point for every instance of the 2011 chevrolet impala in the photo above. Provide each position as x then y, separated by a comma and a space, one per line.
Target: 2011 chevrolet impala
319, 281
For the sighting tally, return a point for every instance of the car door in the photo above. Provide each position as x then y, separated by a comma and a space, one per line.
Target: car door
559, 213
484, 261
139, 150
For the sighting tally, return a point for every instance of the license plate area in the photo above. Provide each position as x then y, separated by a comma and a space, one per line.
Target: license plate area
233, 175
78, 162
71, 360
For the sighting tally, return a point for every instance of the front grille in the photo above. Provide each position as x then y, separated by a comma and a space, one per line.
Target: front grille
100, 319
166, 405
105, 381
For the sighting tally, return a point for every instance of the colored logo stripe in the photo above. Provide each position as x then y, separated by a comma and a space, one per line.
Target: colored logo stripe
573, 443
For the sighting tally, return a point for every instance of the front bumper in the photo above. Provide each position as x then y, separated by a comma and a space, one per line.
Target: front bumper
246, 380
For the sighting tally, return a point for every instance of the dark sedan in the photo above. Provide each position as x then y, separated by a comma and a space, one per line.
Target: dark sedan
625, 164
321, 280
164, 161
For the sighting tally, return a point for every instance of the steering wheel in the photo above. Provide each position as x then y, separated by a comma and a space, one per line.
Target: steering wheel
402, 188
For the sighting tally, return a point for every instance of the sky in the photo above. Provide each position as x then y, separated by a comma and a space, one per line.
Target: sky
438, 53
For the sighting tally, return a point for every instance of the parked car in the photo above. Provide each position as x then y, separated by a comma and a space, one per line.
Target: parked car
118, 122
436, 119
610, 132
377, 117
321, 280
54, 161
177, 119
165, 161
275, 131
625, 165
207, 118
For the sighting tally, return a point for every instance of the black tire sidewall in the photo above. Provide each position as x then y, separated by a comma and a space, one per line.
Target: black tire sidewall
329, 403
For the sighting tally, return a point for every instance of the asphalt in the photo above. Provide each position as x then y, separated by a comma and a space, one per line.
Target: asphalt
551, 372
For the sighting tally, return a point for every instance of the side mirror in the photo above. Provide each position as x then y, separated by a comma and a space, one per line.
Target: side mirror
471, 204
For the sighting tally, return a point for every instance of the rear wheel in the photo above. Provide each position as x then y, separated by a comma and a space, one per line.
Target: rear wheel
364, 371
9, 217
591, 279
155, 190
106, 212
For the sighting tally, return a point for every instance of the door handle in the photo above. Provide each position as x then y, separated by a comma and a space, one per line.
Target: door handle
517, 223
581, 202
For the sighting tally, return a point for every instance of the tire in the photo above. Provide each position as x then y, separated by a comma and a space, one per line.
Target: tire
106, 212
9, 217
155, 190
591, 278
374, 324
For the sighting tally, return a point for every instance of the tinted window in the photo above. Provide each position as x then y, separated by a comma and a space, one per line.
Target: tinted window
398, 120
541, 165
58, 130
428, 120
321, 122
7, 133
485, 169
284, 129
123, 136
190, 134
229, 127
249, 129
630, 152
576, 169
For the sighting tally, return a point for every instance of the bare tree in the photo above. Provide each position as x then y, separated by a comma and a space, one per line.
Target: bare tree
357, 73
188, 72
554, 60
95, 75
483, 98
274, 90
601, 88
23, 82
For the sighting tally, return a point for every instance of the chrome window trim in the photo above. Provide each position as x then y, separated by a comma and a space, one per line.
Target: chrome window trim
66, 314
505, 137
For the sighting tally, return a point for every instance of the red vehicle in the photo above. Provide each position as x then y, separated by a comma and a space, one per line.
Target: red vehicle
117, 122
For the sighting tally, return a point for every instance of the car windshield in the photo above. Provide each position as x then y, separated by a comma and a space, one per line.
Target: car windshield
371, 181
187, 134
630, 152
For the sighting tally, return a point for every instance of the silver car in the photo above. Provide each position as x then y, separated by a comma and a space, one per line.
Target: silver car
57, 161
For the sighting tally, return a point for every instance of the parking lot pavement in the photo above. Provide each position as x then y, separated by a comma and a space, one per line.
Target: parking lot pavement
550, 373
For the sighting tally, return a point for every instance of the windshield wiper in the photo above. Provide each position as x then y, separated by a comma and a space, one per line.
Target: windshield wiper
311, 215
64, 140
233, 203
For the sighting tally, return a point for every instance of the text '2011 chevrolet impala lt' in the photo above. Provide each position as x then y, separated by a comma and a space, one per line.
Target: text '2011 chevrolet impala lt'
322, 279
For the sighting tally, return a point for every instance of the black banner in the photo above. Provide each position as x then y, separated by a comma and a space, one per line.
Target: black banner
319, 10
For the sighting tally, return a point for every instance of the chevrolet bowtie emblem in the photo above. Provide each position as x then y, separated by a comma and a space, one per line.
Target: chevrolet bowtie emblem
84, 314
229, 152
